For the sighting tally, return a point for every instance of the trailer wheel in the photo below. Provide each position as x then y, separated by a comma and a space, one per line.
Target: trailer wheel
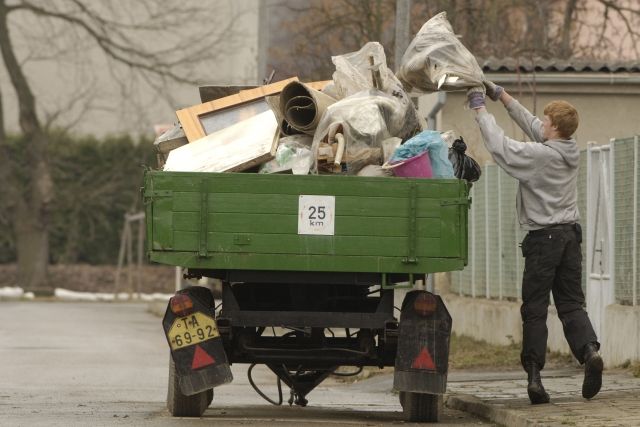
180, 405
420, 407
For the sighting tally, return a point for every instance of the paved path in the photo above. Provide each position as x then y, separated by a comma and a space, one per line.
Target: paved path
96, 364
502, 398
66, 364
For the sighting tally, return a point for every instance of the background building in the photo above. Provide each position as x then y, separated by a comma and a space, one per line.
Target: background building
606, 95
75, 83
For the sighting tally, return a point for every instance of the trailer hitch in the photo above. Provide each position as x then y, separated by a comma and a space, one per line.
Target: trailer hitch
301, 382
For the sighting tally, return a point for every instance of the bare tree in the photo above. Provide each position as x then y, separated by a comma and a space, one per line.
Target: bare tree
590, 29
606, 29
311, 32
143, 42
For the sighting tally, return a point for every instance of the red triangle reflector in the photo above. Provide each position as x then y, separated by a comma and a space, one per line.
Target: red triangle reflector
201, 358
424, 361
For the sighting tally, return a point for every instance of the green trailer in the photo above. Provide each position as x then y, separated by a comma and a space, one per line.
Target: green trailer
309, 266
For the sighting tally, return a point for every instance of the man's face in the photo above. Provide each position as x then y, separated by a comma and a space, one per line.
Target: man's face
548, 130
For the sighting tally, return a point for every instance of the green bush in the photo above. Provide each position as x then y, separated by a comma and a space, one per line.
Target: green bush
95, 182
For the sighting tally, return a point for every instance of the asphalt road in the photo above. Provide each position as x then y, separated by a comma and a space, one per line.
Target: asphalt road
80, 364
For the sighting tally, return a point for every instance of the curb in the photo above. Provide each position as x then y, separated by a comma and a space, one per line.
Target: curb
493, 413
157, 308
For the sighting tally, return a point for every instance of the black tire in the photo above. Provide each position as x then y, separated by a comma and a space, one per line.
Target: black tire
420, 407
180, 405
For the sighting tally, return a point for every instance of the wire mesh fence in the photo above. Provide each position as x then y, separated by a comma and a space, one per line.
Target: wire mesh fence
495, 259
625, 194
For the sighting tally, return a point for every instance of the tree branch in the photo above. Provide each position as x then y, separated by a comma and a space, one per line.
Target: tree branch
116, 51
28, 120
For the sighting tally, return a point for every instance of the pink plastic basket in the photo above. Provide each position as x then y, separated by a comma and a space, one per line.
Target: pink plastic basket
415, 167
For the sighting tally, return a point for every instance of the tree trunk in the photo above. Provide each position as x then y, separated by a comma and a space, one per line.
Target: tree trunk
31, 212
567, 26
32, 242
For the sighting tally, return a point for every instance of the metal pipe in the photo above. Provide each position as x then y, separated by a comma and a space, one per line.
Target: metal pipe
519, 272
487, 252
403, 26
178, 278
589, 235
431, 117
473, 242
634, 264
500, 264
302, 106
611, 224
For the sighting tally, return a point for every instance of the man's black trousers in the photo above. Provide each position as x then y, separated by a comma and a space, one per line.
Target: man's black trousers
553, 264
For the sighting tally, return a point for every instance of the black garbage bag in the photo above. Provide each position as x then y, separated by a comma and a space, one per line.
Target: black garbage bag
464, 167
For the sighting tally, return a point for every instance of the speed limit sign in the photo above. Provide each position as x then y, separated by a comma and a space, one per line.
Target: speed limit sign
316, 215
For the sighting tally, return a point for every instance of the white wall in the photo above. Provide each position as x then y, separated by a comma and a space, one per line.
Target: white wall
621, 336
499, 322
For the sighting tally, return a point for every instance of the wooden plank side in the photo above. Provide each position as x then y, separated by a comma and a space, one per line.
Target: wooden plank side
288, 224
148, 212
249, 261
338, 185
371, 221
450, 231
335, 185
286, 204
308, 245
162, 224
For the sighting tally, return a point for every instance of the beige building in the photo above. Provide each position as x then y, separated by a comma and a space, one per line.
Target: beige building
89, 95
607, 97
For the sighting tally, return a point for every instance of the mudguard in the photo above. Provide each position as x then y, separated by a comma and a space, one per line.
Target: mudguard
196, 346
422, 358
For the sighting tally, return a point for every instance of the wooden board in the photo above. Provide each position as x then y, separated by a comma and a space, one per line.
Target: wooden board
238, 147
190, 118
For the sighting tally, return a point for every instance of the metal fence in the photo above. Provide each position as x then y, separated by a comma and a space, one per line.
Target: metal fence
625, 195
495, 259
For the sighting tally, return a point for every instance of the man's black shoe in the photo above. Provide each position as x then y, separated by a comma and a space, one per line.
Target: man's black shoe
593, 367
535, 389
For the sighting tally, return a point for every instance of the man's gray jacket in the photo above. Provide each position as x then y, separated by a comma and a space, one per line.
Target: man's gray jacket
546, 171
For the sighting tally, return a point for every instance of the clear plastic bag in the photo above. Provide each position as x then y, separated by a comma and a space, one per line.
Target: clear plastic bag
365, 119
293, 153
367, 69
464, 167
430, 141
354, 70
437, 60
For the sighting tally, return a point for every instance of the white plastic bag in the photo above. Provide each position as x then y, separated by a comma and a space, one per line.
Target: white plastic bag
437, 60
365, 119
354, 75
293, 153
353, 70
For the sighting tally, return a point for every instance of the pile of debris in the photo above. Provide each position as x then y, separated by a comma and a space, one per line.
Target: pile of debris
362, 122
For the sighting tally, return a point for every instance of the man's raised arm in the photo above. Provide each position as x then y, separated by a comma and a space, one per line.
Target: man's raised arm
530, 124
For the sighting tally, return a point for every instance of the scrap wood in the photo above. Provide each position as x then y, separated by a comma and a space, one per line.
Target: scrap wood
236, 148
327, 154
190, 117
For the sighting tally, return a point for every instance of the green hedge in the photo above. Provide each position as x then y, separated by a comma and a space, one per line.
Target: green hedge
95, 182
